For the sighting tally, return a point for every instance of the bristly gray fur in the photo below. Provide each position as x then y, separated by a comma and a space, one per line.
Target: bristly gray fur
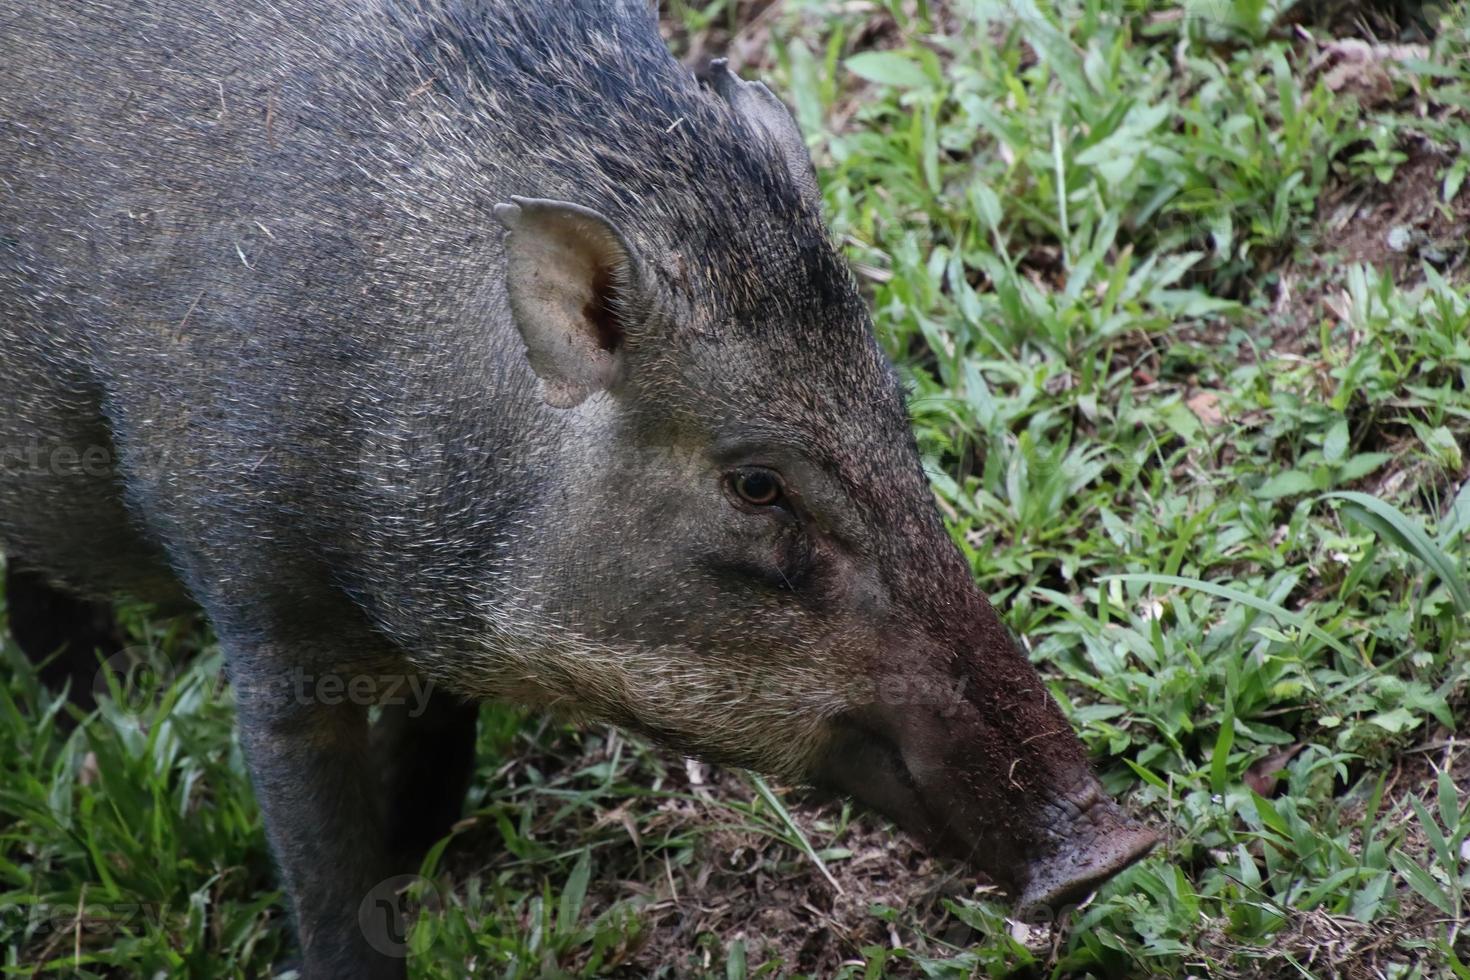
262, 271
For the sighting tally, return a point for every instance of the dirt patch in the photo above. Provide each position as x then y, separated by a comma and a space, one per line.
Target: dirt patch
1393, 228
750, 887
738, 881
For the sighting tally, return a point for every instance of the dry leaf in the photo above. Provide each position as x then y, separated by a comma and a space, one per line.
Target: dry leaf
1340, 306
1363, 69
1262, 776
1206, 407
622, 816
87, 773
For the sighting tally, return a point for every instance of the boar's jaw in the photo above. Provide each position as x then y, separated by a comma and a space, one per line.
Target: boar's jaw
1046, 851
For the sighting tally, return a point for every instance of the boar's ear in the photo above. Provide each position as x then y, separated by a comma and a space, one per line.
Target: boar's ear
766, 114
569, 275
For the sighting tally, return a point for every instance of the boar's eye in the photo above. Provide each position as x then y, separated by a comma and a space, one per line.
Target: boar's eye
757, 486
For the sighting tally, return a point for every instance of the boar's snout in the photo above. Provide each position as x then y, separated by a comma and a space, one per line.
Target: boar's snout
1094, 842
994, 776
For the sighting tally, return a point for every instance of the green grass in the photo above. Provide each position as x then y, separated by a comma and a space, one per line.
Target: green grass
1206, 453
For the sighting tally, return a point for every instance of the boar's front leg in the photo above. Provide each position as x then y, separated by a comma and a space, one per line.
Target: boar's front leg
426, 741
308, 747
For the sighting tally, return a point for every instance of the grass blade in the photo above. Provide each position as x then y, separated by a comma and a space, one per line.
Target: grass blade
796, 832
1220, 757
1422, 882
1390, 523
574, 892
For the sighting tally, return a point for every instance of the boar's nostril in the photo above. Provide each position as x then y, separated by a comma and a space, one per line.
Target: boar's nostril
1085, 803
1095, 844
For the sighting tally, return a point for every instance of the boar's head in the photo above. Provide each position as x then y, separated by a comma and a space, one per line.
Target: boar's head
742, 555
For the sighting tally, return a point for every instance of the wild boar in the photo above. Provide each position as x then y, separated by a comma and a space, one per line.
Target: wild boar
480, 341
